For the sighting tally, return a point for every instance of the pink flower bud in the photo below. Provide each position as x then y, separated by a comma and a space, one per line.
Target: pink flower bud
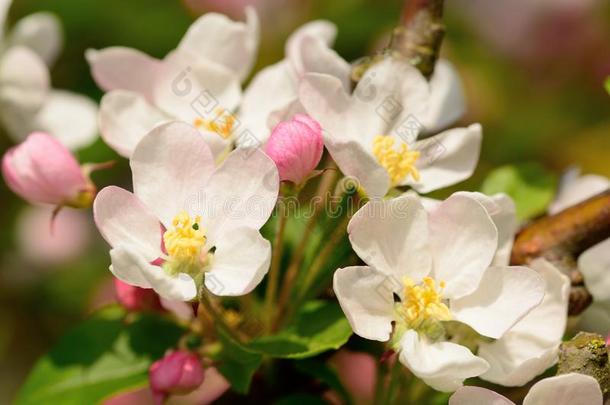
135, 298
42, 170
296, 147
179, 372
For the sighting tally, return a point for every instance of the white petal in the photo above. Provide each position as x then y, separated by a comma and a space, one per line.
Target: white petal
170, 167
505, 295
392, 237
277, 80
123, 220
565, 389
240, 262
463, 239
447, 103
594, 265
355, 162
447, 158
443, 365
24, 79
133, 269
502, 211
189, 89
125, 118
41, 32
242, 192
366, 297
478, 396
530, 347
4, 6
214, 37
324, 30
70, 117
578, 190
120, 68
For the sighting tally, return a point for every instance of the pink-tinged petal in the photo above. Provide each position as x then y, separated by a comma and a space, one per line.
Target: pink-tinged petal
125, 118
392, 237
365, 295
42, 170
135, 298
447, 103
123, 220
463, 239
240, 263
505, 295
565, 389
69, 239
442, 365
242, 192
41, 32
214, 385
171, 166
178, 372
190, 89
25, 80
447, 158
256, 106
296, 148
120, 68
132, 268
214, 37
137, 396
478, 396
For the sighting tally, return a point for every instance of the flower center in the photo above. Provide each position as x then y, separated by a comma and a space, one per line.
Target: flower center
222, 123
183, 243
422, 307
398, 162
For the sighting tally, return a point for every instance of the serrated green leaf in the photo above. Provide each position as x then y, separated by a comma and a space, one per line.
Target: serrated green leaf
100, 357
319, 326
529, 185
236, 362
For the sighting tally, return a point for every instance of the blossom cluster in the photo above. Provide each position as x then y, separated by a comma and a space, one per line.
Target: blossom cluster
211, 159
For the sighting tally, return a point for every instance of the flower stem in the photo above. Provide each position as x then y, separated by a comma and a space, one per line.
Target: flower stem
328, 180
276, 261
218, 318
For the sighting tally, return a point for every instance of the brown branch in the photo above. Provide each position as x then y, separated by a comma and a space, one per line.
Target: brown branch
420, 36
561, 238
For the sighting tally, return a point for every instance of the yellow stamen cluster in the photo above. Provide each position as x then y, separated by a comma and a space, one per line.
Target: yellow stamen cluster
399, 162
186, 238
222, 123
422, 303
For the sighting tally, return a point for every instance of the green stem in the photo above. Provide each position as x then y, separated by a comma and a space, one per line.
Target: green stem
276, 260
218, 318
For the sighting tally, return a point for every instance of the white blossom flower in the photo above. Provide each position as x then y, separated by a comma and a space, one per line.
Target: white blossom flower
199, 83
27, 101
188, 223
307, 51
439, 265
531, 345
594, 263
564, 389
372, 133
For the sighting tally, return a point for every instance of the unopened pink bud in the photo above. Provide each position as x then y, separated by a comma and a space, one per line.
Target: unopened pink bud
296, 147
135, 298
179, 372
42, 170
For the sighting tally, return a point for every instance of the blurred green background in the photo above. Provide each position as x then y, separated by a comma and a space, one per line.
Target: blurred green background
533, 72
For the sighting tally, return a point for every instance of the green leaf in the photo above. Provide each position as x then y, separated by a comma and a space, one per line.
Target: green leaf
100, 357
319, 326
236, 362
529, 185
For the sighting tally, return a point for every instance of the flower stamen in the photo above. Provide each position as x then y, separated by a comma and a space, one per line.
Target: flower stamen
398, 162
184, 241
222, 123
422, 304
